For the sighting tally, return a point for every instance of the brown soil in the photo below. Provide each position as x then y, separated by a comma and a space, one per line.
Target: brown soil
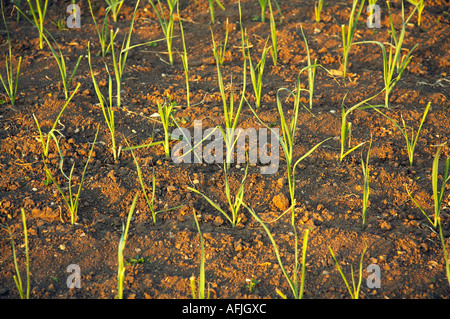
329, 192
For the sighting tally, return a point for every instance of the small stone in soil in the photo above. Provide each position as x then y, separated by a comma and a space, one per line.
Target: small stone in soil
281, 202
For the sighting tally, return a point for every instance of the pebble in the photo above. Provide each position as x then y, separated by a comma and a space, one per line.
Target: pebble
280, 182
111, 175
218, 221
281, 201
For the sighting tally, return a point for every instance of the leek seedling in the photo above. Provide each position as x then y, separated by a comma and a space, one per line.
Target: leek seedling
256, 73
438, 194
202, 281
51, 134
347, 40
17, 279
420, 4
59, 58
354, 293
287, 141
108, 111
231, 116
311, 70
119, 59
103, 31
165, 111
114, 7
71, 199
10, 83
184, 60
346, 127
211, 9
166, 24
273, 34
235, 205
60, 24
150, 201
220, 50
318, 9
39, 18
297, 287
366, 192
119, 63
394, 64
121, 248
410, 143
263, 5
192, 148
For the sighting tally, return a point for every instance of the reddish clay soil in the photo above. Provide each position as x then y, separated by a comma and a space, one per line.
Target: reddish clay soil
399, 239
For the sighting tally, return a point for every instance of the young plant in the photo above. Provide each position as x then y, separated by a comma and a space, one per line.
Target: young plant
149, 200
318, 9
10, 83
420, 4
166, 23
119, 63
17, 279
71, 199
103, 31
346, 127
273, 34
410, 142
394, 64
66, 81
39, 18
311, 70
233, 205
60, 24
165, 112
231, 116
297, 287
51, 134
287, 142
211, 9
59, 57
251, 285
263, 5
366, 192
16, 4
354, 293
221, 49
438, 194
190, 147
184, 60
347, 40
121, 248
108, 111
202, 281
256, 73
114, 6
